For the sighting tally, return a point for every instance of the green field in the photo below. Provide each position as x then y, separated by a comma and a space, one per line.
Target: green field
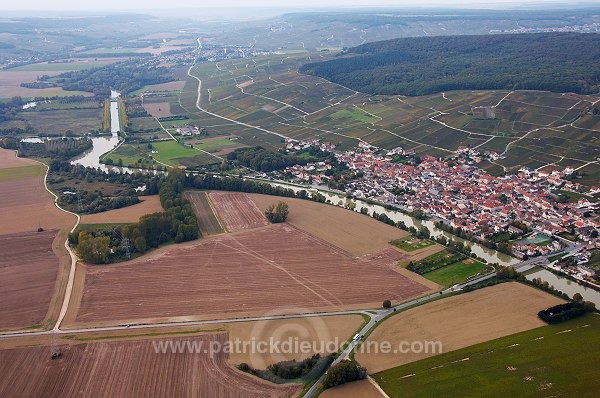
131, 155
14, 173
410, 243
356, 114
216, 145
169, 151
552, 361
455, 273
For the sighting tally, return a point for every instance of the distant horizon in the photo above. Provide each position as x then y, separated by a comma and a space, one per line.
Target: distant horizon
139, 6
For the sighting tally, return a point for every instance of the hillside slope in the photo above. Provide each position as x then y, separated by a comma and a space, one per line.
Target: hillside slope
559, 62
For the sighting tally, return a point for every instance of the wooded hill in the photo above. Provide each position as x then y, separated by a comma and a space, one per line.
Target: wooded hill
559, 62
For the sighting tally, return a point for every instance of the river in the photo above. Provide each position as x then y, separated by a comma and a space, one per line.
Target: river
102, 145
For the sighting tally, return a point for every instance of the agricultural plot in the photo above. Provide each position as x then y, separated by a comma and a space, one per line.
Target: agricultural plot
28, 270
57, 122
207, 219
455, 273
557, 360
129, 214
458, 322
350, 231
158, 109
70, 65
24, 202
237, 211
10, 85
316, 331
239, 274
172, 152
357, 389
89, 369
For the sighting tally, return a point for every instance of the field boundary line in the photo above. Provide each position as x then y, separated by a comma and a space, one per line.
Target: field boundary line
378, 387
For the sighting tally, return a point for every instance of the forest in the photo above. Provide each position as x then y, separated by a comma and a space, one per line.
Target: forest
559, 62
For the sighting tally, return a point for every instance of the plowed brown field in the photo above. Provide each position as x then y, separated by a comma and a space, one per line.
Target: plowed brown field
237, 211
129, 369
129, 214
351, 231
25, 206
28, 270
274, 268
9, 159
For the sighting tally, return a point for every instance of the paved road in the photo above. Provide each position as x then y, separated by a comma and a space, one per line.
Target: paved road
178, 324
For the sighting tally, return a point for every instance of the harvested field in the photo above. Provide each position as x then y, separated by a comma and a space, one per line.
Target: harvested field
459, 321
170, 86
26, 205
237, 211
420, 254
28, 270
129, 214
10, 85
207, 220
86, 370
158, 109
357, 389
356, 233
314, 330
277, 268
9, 159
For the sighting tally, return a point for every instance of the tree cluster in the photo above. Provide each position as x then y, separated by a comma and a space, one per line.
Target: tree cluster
277, 213
564, 312
344, 372
260, 159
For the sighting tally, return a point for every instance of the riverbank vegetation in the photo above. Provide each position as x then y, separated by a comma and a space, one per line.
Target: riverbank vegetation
109, 243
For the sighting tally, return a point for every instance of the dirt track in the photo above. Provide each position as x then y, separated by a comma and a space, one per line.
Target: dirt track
356, 233
237, 211
277, 267
129, 369
460, 321
28, 270
129, 214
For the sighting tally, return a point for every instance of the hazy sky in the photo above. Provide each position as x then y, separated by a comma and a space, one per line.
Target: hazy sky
106, 5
